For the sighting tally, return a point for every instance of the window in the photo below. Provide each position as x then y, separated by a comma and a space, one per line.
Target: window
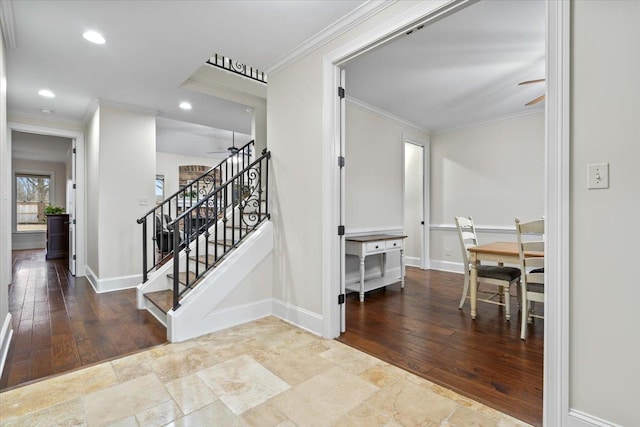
32, 195
159, 188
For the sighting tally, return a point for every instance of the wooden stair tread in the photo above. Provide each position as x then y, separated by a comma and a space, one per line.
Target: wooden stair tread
182, 278
161, 299
222, 243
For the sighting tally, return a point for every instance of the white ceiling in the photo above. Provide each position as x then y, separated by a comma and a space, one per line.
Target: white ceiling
460, 70
152, 48
28, 146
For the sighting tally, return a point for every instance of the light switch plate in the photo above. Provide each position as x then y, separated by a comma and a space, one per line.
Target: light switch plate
597, 176
143, 201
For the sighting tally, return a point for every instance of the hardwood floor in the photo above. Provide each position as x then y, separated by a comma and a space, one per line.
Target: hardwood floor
421, 330
61, 324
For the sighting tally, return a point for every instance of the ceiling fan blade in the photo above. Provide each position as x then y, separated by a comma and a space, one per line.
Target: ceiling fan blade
535, 101
531, 81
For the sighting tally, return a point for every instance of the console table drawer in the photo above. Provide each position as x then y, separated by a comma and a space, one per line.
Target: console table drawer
394, 244
375, 247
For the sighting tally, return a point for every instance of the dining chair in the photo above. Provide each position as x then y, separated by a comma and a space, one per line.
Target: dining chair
500, 276
532, 270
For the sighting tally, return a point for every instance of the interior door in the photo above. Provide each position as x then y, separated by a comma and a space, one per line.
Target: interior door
71, 208
343, 125
414, 182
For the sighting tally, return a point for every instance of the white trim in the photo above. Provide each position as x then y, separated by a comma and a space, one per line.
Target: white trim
334, 30
352, 232
298, 316
557, 223
453, 267
80, 217
381, 112
5, 340
580, 419
412, 261
243, 313
125, 107
113, 283
16, 115
14, 190
493, 229
8, 27
489, 121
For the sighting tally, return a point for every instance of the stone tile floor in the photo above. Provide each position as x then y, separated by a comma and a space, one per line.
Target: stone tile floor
263, 373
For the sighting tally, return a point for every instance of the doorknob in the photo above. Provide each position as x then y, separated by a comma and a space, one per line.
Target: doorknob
421, 222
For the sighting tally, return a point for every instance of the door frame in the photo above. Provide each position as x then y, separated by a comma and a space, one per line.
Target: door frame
80, 210
426, 193
557, 189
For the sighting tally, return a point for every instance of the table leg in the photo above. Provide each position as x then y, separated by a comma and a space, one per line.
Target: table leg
402, 268
361, 279
383, 265
473, 284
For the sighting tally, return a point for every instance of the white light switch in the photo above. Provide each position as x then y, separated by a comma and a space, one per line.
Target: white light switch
143, 201
597, 175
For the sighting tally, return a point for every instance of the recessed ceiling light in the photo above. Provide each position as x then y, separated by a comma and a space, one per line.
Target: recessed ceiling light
185, 105
46, 93
46, 111
94, 37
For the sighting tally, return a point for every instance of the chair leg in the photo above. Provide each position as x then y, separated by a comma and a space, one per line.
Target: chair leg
465, 291
523, 315
507, 301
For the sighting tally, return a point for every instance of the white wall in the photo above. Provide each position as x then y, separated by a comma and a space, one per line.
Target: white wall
294, 131
374, 171
121, 170
604, 291
167, 164
58, 197
492, 172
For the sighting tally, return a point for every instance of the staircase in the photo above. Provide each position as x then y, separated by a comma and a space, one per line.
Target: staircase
220, 233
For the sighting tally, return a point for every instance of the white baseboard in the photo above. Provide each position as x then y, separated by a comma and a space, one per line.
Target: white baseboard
5, 340
298, 316
412, 261
113, 283
580, 419
454, 267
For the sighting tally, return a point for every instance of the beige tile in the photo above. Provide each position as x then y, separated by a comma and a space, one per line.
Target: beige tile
365, 416
45, 394
287, 340
125, 422
125, 399
130, 367
324, 398
463, 416
409, 404
382, 375
215, 414
264, 415
182, 363
297, 367
190, 393
507, 421
350, 359
242, 383
69, 414
159, 415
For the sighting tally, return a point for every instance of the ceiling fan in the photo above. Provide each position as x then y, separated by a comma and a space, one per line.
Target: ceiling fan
538, 99
230, 150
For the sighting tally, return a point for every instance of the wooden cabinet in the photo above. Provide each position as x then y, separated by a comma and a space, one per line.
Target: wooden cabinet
57, 236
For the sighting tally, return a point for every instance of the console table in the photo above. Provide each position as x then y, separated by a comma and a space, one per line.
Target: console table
378, 244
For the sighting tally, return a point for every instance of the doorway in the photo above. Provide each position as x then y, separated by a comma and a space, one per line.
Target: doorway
556, 184
416, 203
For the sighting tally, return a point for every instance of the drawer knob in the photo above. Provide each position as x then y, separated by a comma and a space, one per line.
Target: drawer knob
394, 244
376, 246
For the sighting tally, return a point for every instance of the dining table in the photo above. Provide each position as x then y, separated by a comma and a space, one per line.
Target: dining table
499, 252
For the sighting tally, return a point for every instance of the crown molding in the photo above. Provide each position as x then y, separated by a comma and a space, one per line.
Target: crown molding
384, 113
486, 122
8, 24
341, 26
14, 116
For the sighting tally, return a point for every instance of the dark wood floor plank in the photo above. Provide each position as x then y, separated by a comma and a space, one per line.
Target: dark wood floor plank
420, 328
60, 323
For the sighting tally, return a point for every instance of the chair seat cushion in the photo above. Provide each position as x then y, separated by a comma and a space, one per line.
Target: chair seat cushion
501, 273
537, 270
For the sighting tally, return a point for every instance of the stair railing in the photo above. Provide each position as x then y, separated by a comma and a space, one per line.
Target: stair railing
247, 195
182, 200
